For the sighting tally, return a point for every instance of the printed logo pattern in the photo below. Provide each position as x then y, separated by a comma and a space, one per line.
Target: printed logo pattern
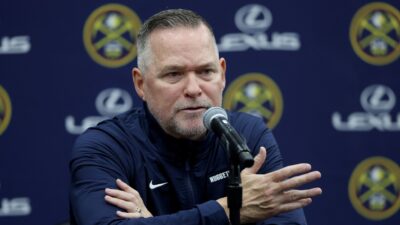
254, 20
109, 102
257, 94
374, 188
5, 110
375, 33
110, 33
378, 100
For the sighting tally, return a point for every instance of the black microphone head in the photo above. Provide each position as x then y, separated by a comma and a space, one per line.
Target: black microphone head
212, 113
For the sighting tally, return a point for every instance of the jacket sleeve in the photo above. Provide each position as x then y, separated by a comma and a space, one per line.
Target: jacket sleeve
258, 135
95, 166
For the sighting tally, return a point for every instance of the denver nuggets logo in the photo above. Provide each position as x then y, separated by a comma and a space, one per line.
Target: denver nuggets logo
375, 33
5, 110
257, 94
374, 188
110, 33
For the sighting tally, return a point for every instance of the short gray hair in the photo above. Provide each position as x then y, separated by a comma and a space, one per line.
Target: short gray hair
166, 19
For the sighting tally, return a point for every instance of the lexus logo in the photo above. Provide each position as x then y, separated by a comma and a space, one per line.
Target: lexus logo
253, 18
113, 101
377, 98
109, 103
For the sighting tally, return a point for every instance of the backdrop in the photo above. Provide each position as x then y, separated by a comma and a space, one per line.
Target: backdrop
324, 75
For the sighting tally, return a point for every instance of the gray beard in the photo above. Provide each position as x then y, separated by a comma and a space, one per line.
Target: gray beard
172, 127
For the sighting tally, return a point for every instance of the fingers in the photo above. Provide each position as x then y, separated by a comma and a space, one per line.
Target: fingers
294, 205
128, 206
300, 180
126, 196
126, 215
125, 187
272, 193
289, 171
127, 199
258, 162
297, 195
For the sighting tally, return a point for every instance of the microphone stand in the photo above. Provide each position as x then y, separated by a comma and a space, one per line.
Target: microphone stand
234, 190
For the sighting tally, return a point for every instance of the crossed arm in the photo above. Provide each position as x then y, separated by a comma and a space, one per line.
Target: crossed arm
264, 195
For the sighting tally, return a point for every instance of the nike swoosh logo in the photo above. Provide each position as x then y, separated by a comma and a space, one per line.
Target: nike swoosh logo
154, 186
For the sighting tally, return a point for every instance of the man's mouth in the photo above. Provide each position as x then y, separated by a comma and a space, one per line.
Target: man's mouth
194, 109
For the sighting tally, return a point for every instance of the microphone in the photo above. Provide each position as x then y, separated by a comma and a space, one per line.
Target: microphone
215, 119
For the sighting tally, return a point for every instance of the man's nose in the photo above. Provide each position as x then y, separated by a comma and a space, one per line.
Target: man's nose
192, 88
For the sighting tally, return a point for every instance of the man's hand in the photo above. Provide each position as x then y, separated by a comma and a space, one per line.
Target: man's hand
266, 195
127, 199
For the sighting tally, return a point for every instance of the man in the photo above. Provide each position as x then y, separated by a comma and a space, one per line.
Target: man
158, 164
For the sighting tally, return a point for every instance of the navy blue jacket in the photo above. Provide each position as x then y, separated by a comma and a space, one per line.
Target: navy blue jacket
134, 148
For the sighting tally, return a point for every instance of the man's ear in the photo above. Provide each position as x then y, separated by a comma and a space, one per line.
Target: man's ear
137, 77
222, 64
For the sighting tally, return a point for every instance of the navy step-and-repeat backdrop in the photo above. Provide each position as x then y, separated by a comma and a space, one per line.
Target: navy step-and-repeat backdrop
325, 76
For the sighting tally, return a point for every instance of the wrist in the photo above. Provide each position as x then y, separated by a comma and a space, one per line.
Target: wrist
224, 204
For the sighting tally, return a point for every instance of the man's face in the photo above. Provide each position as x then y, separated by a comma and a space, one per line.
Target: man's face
183, 78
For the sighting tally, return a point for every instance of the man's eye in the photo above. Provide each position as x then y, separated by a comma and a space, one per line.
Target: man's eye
206, 73
172, 77
173, 74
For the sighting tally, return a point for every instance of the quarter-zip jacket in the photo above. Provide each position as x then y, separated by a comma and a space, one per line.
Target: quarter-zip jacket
178, 180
